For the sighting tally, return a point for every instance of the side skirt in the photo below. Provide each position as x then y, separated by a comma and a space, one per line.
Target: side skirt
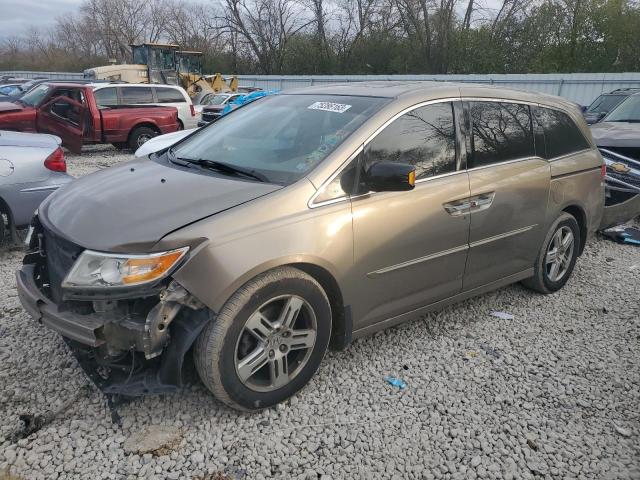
413, 314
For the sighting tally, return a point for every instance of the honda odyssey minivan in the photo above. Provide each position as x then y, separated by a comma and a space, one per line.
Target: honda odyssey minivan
304, 220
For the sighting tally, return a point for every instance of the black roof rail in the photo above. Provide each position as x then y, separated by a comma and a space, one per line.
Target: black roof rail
626, 89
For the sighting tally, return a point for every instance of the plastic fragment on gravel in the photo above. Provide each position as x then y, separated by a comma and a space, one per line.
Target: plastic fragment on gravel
396, 382
503, 315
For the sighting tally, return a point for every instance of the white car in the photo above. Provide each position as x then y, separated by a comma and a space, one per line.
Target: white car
111, 94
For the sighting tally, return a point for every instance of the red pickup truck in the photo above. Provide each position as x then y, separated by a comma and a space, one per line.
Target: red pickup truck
71, 112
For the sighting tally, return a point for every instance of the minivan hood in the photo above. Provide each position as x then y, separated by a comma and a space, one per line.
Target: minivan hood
129, 207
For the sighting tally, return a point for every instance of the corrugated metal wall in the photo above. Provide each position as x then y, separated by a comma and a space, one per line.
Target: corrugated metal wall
581, 88
51, 75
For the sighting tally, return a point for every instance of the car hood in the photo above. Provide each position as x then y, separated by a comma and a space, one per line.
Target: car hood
616, 134
21, 139
129, 207
10, 107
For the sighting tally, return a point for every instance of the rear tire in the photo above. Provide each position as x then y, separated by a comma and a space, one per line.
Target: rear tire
139, 136
267, 342
557, 256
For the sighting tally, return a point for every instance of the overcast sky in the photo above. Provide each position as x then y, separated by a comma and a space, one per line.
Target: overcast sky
17, 15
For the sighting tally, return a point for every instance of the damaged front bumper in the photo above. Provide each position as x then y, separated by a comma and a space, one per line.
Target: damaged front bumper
129, 346
622, 200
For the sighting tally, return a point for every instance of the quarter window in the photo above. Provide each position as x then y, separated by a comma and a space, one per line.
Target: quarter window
424, 137
561, 135
169, 95
135, 95
501, 132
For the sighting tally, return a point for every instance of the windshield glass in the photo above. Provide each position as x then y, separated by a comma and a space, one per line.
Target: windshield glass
281, 137
35, 96
604, 103
627, 111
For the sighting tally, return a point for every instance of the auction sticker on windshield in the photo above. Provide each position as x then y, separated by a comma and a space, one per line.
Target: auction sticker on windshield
330, 107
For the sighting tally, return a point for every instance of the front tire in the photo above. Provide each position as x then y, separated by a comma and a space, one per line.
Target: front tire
557, 257
268, 340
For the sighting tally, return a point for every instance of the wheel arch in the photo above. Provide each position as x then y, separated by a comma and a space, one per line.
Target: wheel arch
341, 323
580, 215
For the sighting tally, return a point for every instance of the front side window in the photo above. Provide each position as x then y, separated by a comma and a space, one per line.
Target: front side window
280, 137
106, 97
424, 137
169, 95
500, 132
136, 95
561, 135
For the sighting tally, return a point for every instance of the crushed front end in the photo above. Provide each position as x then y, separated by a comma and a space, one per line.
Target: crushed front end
131, 340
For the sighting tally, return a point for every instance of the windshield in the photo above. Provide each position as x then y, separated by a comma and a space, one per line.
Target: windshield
605, 103
280, 137
35, 96
627, 111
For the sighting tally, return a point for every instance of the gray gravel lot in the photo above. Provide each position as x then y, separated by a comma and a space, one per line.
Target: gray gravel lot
553, 393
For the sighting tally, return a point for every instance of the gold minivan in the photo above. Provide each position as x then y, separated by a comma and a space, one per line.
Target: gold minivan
304, 220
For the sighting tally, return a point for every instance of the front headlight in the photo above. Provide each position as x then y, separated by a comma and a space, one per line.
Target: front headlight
97, 269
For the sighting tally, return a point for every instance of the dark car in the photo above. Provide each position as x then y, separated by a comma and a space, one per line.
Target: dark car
618, 138
31, 84
605, 103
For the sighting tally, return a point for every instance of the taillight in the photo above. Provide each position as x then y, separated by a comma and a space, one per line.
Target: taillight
603, 170
193, 110
55, 161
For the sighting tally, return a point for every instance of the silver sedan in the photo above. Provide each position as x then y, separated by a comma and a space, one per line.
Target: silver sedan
32, 166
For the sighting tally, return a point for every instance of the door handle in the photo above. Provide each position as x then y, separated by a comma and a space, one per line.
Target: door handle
458, 207
481, 202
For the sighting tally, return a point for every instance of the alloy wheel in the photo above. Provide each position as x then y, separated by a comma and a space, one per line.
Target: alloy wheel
559, 254
275, 343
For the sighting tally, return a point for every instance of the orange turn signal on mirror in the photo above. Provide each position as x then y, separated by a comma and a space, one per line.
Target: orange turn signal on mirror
412, 178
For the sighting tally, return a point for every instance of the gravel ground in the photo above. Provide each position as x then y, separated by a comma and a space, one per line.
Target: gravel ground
552, 393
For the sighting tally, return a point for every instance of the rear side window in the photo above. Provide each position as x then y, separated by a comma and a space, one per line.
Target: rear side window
169, 95
136, 95
424, 137
561, 134
106, 97
500, 132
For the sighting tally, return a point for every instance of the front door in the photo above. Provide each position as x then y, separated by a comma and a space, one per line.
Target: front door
65, 117
509, 189
410, 248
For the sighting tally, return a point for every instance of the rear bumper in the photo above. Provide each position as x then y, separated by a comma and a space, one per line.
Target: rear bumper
80, 328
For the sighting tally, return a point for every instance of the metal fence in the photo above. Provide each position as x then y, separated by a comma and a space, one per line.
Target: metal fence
51, 75
581, 88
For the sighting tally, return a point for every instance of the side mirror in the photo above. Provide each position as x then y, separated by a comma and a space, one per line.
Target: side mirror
390, 177
583, 108
601, 115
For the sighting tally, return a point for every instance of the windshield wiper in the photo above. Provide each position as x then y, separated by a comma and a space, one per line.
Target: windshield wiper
224, 168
